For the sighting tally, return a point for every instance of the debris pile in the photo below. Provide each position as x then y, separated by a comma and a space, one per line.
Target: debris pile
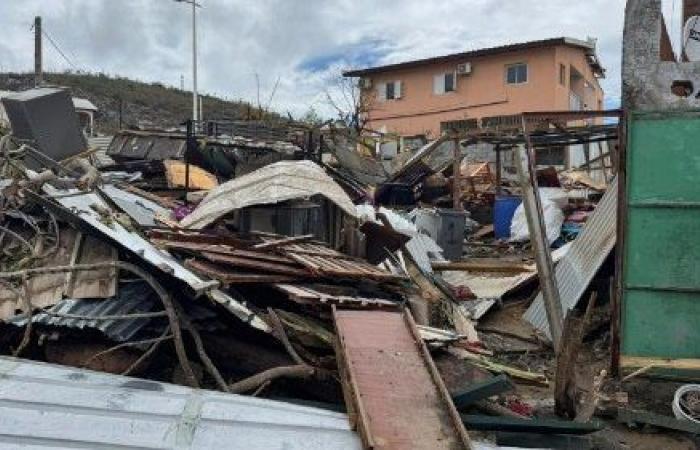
416, 298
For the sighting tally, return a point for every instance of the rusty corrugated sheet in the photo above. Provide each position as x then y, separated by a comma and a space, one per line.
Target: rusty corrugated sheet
392, 389
580, 264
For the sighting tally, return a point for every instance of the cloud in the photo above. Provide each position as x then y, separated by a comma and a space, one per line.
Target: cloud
249, 47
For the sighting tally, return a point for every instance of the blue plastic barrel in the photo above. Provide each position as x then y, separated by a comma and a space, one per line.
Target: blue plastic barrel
503, 209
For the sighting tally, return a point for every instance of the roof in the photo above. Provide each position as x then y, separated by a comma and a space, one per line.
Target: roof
83, 103
58, 407
78, 103
588, 46
275, 183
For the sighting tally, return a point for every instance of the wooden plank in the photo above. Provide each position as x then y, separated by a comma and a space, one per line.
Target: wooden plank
393, 392
495, 423
298, 292
631, 417
282, 242
229, 277
255, 264
476, 265
481, 390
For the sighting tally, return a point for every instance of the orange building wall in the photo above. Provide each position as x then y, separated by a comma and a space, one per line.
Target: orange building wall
483, 93
593, 99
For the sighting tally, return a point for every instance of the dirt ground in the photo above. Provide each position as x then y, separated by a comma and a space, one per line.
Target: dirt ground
642, 393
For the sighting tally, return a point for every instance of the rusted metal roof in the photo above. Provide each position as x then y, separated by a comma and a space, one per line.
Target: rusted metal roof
578, 267
392, 389
244, 261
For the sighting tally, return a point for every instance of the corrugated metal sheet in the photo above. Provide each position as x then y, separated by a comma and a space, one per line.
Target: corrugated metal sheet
140, 209
86, 206
278, 182
494, 286
132, 298
49, 406
101, 144
578, 267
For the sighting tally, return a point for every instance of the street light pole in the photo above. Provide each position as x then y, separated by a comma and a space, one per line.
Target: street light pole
195, 99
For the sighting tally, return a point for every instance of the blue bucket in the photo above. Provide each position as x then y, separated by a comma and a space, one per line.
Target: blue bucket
503, 209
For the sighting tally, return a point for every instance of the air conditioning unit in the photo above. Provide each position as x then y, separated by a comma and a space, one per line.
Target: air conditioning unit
464, 68
365, 83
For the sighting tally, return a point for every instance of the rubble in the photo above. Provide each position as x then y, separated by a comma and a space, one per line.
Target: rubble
424, 293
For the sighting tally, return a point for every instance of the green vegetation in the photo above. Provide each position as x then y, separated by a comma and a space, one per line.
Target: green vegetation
144, 104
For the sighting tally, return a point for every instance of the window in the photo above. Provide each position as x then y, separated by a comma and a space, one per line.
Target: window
516, 74
444, 82
391, 90
562, 74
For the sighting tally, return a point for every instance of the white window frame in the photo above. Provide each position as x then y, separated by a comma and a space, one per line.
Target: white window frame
439, 83
382, 90
517, 83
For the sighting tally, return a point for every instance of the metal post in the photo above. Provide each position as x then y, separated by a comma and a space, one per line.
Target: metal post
121, 107
195, 101
309, 143
191, 142
457, 178
498, 169
320, 149
538, 236
38, 71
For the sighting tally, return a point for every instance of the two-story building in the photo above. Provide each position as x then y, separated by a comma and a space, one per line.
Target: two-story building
422, 97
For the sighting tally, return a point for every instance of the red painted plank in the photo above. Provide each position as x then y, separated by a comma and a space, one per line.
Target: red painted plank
393, 391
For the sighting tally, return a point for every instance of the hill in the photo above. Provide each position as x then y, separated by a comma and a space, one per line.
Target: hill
146, 104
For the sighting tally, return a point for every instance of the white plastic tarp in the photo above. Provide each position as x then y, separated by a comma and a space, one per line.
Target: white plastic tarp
553, 219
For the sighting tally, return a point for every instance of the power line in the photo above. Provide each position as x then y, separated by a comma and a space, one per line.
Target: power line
55, 46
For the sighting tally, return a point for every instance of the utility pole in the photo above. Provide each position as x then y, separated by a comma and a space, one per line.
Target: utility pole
195, 100
182, 82
38, 73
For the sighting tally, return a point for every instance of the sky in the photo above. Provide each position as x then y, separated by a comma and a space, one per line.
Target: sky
286, 54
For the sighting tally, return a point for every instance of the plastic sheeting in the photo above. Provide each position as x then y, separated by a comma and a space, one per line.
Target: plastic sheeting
553, 220
278, 182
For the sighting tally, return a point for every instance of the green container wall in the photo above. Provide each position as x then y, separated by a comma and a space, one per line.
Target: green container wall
661, 278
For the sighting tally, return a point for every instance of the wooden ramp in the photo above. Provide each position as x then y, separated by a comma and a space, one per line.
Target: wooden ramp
394, 394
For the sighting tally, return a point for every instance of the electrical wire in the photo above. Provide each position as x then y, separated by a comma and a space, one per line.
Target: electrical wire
58, 49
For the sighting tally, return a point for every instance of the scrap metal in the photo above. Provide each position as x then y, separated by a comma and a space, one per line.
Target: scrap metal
587, 253
136, 413
275, 183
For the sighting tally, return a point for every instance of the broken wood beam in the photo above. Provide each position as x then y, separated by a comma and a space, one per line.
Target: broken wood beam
632, 417
553, 426
538, 236
282, 242
482, 266
481, 390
